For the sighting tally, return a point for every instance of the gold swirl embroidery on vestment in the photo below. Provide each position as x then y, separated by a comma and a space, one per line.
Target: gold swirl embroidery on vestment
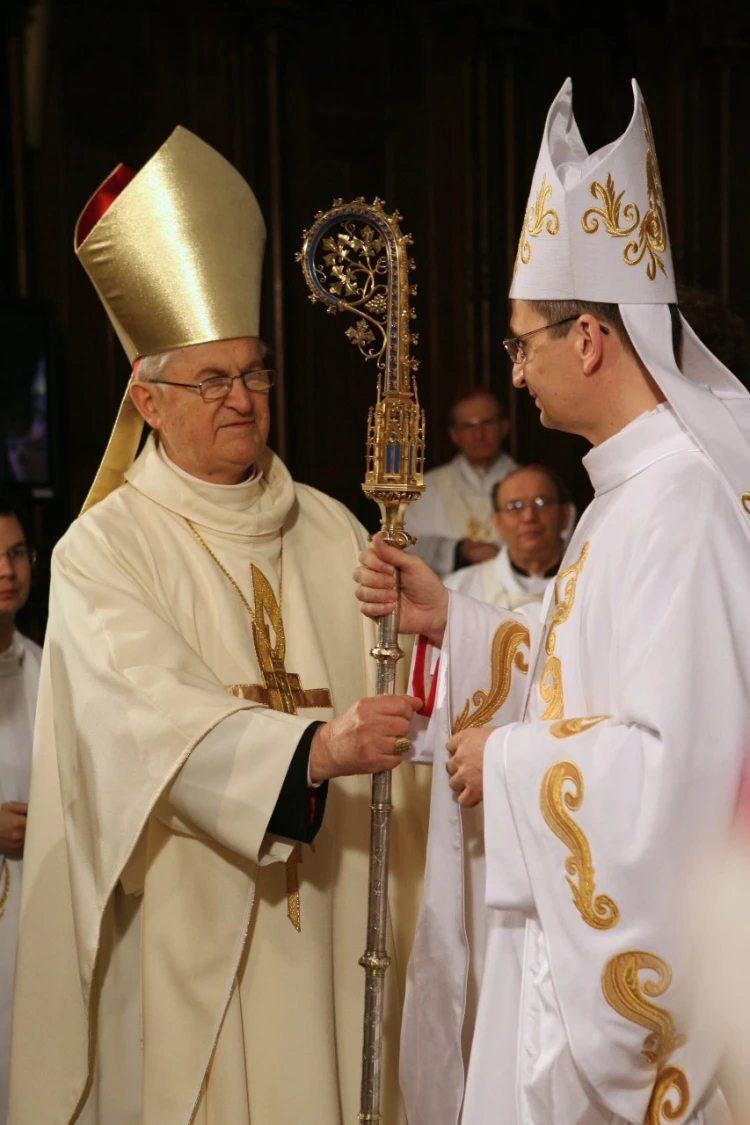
504, 657
550, 682
5, 876
564, 728
745, 501
652, 237
534, 223
631, 998
599, 911
670, 1080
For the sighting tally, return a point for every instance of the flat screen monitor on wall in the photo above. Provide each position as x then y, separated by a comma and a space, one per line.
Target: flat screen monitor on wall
27, 415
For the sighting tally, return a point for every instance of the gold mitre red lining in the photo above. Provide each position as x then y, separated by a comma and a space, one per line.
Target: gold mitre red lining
176, 253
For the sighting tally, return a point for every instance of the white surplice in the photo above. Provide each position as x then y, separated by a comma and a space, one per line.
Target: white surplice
617, 760
497, 582
456, 504
19, 682
159, 978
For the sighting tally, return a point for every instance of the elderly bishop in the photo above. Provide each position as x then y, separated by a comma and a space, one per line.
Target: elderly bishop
605, 736
196, 862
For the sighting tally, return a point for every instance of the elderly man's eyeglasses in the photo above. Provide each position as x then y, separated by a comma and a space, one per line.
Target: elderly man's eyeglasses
219, 386
514, 344
538, 503
18, 554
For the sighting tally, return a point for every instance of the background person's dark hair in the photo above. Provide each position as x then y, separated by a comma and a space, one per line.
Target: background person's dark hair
560, 310
11, 505
722, 331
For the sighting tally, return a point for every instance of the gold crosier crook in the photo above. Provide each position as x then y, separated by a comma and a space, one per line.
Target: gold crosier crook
355, 260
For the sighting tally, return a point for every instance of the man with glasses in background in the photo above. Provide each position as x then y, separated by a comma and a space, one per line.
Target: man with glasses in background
453, 520
20, 659
530, 515
201, 721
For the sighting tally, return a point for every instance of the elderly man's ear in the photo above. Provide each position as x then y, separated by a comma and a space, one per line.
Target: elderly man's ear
143, 395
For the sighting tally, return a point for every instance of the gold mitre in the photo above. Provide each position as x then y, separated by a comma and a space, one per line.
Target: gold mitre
176, 251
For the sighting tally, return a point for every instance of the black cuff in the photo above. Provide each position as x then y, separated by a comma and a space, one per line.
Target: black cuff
298, 813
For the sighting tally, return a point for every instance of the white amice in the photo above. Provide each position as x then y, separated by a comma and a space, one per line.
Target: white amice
497, 581
613, 766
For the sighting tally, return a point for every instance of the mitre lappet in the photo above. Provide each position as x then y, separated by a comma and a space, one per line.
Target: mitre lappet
595, 229
175, 253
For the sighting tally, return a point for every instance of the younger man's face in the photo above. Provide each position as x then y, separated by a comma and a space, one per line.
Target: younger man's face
15, 567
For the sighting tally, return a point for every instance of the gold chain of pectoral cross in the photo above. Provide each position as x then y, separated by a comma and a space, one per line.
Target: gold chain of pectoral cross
280, 690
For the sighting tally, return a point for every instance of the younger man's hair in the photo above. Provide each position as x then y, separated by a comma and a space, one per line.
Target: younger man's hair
560, 310
11, 505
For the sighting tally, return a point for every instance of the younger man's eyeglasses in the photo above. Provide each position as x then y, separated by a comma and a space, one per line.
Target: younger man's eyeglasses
514, 344
19, 553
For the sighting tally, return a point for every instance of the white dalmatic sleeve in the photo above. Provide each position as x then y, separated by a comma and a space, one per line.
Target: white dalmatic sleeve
593, 822
482, 678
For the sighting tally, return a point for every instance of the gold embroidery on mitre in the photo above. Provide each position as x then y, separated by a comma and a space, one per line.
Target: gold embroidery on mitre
534, 222
600, 912
550, 682
564, 728
670, 1080
652, 232
630, 998
745, 501
504, 657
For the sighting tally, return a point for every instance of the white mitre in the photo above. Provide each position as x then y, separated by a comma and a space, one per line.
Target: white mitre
595, 229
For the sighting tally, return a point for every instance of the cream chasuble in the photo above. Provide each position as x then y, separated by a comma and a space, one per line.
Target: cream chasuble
624, 766
160, 763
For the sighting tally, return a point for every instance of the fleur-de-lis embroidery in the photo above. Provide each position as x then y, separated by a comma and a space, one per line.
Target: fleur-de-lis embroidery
539, 217
621, 221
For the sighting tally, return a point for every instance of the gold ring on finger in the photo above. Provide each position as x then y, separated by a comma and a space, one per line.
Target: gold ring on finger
403, 745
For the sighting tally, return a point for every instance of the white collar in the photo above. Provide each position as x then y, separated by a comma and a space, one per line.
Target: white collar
648, 438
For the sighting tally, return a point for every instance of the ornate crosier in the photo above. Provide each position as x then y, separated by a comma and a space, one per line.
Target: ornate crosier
354, 258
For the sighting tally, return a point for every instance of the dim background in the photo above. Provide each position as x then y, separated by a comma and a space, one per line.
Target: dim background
437, 107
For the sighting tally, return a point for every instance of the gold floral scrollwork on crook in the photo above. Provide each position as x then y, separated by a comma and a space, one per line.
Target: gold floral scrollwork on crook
745, 501
565, 728
599, 911
669, 1081
539, 217
631, 998
504, 657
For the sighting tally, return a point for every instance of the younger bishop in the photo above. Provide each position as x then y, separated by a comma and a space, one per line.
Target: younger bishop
606, 735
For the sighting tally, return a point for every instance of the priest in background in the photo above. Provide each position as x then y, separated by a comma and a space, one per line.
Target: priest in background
605, 736
453, 520
186, 953
19, 680
530, 514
